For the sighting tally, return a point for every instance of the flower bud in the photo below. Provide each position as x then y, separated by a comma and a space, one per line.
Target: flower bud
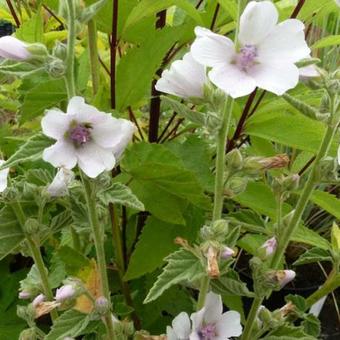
269, 246
37, 51
285, 276
65, 292
226, 253
291, 182
24, 295
55, 68
32, 226
60, 51
234, 160
38, 300
264, 315
13, 49
28, 334
102, 305
235, 186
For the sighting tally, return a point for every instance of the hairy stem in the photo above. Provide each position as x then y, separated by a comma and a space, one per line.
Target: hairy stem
98, 237
93, 49
113, 52
36, 255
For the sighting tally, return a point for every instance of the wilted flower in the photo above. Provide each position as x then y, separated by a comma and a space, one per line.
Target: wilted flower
24, 295
3, 177
64, 293
211, 323
181, 328
38, 300
266, 55
60, 183
85, 136
285, 276
226, 253
13, 48
185, 78
270, 246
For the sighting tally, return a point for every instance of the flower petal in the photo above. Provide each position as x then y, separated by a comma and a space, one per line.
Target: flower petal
108, 131
60, 182
197, 319
211, 49
257, 21
170, 334
229, 325
276, 78
3, 177
181, 325
213, 308
93, 159
231, 80
13, 48
83, 112
185, 78
286, 43
55, 123
194, 336
61, 154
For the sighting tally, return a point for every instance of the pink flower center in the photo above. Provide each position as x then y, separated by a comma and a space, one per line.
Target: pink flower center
80, 134
246, 57
207, 332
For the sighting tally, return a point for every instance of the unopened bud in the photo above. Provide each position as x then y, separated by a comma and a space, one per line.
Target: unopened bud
291, 182
55, 68
285, 276
264, 315
226, 253
102, 305
60, 50
28, 334
266, 163
235, 186
32, 226
65, 292
37, 51
24, 295
234, 160
269, 246
38, 300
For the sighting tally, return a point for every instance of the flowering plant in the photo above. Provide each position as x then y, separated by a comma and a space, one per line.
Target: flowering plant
169, 169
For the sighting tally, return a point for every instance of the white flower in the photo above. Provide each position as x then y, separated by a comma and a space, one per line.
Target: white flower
85, 136
3, 177
270, 246
181, 328
285, 276
210, 324
64, 293
13, 48
185, 78
265, 57
227, 253
24, 295
61, 181
38, 300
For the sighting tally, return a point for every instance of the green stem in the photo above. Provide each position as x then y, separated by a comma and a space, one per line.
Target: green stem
36, 255
75, 239
219, 183
93, 49
204, 288
332, 283
98, 236
220, 159
284, 239
71, 40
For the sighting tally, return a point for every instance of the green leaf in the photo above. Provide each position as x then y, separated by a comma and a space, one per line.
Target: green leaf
287, 332
327, 201
42, 97
146, 8
155, 243
311, 325
313, 255
229, 286
181, 266
141, 63
71, 323
230, 7
311, 237
73, 260
298, 301
60, 221
162, 183
286, 129
330, 40
119, 193
29, 151
11, 234
31, 30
